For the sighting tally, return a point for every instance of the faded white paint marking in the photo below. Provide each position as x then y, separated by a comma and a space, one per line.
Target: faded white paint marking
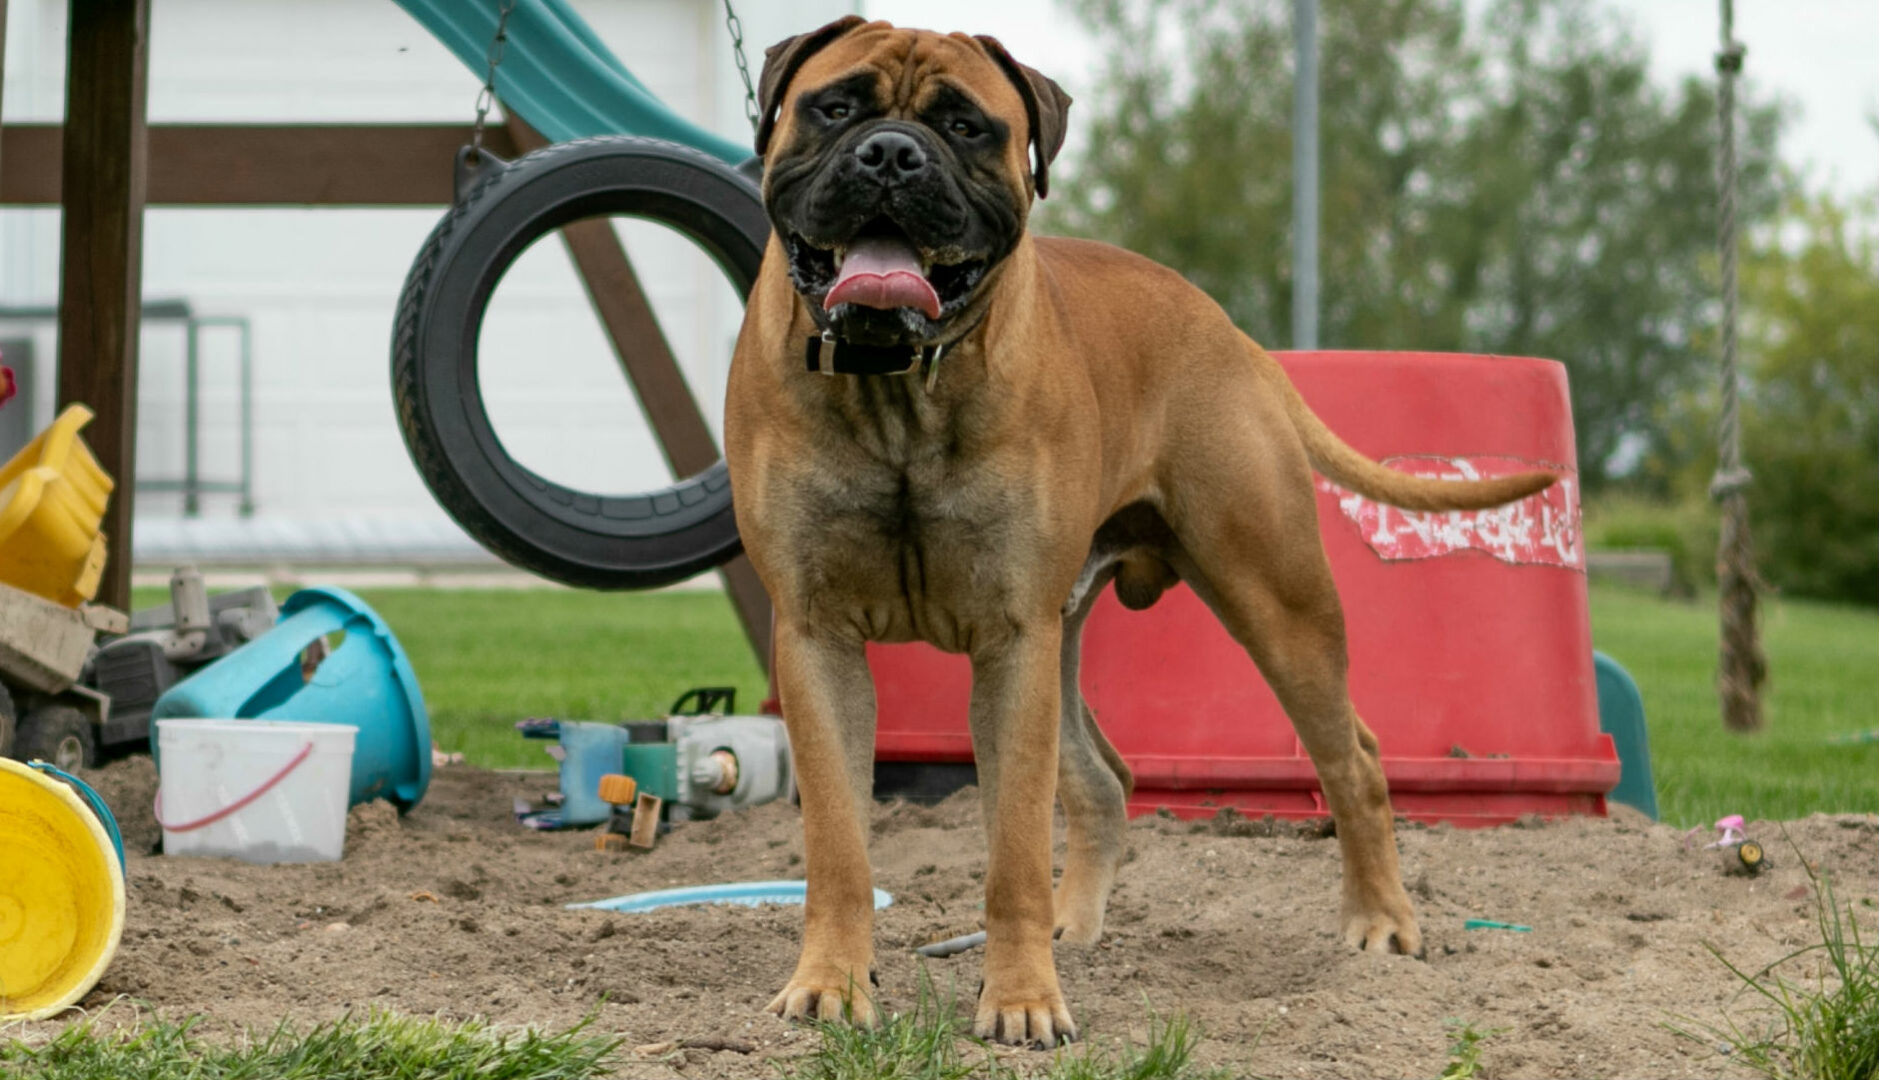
1543, 529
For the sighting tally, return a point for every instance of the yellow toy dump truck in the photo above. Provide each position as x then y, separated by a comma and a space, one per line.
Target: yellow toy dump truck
52, 498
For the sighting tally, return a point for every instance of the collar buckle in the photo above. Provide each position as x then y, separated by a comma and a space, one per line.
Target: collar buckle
828, 355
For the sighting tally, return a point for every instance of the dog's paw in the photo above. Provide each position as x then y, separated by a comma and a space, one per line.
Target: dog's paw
824, 999
1039, 1020
1384, 928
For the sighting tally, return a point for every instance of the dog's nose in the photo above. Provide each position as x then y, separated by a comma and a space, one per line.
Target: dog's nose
890, 154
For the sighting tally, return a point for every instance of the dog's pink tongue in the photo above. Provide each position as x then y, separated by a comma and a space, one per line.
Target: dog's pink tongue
882, 272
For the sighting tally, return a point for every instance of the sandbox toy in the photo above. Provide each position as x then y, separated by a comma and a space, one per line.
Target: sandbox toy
61, 890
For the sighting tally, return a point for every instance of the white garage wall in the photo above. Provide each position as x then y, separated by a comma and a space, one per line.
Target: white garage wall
320, 285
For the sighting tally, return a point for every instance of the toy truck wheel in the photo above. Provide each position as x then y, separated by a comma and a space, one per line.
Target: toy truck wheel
58, 734
6, 722
1750, 854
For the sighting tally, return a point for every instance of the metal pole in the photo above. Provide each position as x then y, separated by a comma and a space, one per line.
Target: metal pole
3, 62
192, 420
1305, 175
247, 417
1742, 666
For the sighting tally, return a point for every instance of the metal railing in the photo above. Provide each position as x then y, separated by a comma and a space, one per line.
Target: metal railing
192, 485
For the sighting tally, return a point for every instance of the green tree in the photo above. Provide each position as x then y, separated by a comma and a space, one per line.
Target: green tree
1810, 405
1518, 185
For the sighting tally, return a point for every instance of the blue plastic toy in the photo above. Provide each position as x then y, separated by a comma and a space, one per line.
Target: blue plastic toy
366, 681
98, 806
587, 753
747, 893
1621, 715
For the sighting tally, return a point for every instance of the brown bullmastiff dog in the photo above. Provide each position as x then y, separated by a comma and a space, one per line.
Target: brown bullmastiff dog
941, 428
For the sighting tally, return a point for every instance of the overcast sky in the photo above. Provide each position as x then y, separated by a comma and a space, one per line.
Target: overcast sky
1823, 55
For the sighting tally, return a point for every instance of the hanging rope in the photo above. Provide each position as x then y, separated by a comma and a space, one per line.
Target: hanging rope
1742, 669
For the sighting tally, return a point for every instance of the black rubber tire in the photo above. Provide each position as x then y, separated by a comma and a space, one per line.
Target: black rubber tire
575, 537
58, 734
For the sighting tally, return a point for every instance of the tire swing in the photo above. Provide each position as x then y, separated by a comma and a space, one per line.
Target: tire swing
579, 538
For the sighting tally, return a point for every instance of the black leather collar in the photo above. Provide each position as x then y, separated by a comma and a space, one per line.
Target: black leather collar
830, 355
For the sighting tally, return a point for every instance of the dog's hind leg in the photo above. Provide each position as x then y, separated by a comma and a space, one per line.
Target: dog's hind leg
1242, 506
1300, 650
1094, 785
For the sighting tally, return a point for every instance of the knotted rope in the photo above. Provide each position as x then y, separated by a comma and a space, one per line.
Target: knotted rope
1742, 665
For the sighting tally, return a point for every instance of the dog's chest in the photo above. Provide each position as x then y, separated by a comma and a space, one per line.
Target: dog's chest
898, 525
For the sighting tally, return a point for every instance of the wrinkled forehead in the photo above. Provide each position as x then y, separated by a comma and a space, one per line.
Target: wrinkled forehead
907, 68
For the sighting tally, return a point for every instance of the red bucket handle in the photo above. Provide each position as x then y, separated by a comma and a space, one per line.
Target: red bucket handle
266, 786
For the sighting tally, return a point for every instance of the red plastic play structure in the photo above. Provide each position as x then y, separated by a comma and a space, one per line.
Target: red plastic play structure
1470, 640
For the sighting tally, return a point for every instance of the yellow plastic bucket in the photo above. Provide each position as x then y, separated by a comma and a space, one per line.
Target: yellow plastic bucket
61, 895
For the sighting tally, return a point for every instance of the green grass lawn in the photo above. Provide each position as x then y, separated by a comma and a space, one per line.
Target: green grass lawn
1823, 664
489, 658
377, 1046
923, 1044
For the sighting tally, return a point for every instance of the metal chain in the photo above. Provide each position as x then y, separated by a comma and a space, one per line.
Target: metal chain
736, 26
486, 97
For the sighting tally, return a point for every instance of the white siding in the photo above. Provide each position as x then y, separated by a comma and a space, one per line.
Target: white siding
320, 285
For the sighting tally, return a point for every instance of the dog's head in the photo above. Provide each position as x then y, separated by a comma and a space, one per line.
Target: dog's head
899, 169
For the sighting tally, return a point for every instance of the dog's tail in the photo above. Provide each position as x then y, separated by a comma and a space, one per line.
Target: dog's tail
1334, 458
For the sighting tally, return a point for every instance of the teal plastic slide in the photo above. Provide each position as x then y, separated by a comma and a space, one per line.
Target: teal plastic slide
1621, 715
558, 75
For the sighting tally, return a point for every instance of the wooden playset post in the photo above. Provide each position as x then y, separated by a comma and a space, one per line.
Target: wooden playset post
103, 171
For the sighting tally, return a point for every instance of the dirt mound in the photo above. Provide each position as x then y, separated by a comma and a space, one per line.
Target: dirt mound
456, 910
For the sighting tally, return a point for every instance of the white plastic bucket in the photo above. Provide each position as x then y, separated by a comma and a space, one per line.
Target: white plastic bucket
267, 791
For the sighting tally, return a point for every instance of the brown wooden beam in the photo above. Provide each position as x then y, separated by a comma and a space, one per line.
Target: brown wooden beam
264, 164
645, 356
101, 268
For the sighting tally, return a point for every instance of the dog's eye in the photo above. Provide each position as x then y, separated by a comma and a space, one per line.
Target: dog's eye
965, 129
836, 112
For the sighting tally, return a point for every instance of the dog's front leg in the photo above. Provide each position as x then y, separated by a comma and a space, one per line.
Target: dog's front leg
1014, 738
828, 706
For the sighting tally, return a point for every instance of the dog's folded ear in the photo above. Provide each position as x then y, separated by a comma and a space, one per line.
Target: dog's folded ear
1045, 105
780, 64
